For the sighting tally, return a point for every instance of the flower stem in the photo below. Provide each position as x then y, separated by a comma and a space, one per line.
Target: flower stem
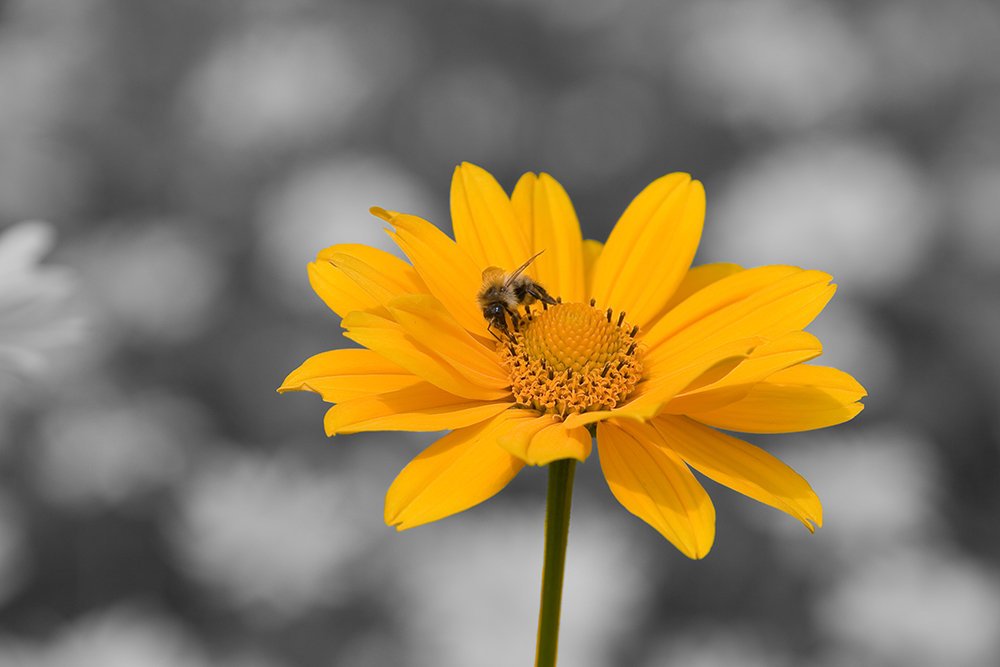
557, 505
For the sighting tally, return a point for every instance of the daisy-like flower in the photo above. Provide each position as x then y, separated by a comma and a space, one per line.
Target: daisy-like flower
34, 318
642, 350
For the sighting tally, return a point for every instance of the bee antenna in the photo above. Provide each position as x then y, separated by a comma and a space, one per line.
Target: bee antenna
520, 269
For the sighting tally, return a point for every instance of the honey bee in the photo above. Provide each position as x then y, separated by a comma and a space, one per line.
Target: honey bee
503, 294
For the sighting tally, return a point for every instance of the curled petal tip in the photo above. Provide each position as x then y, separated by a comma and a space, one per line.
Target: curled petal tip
380, 212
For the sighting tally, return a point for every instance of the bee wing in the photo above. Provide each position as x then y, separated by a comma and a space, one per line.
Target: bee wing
510, 279
493, 274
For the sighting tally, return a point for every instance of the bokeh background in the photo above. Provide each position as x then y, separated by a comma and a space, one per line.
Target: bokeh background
162, 506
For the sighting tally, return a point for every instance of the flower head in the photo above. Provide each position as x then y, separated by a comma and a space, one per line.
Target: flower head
34, 318
640, 348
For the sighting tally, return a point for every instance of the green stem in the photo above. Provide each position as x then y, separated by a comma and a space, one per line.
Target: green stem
557, 504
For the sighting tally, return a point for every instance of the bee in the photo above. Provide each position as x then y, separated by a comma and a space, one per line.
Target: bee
502, 294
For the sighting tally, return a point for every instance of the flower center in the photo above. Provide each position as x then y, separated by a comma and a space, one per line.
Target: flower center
572, 357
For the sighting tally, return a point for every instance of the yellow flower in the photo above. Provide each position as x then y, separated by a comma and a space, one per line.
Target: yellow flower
652, 352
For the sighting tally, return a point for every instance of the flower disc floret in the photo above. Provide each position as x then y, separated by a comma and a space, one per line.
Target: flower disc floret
572, 357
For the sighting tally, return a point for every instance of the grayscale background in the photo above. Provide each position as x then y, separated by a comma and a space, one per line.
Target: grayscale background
162, 506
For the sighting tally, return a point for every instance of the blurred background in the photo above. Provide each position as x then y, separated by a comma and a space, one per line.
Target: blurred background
162, 506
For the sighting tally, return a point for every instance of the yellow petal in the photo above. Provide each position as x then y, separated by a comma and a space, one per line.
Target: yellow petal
522, 199
446, 269
427, 321
697, 279
713, 298
341, 375
556, 442
742, 467
484, 221
651, 395
788, 304
650, 249
338, 291
591, 253
767, 359
800, 398
460, 470
653, 483
517, 439
542, 440
546, 211
393, 342
384, 279
422, 407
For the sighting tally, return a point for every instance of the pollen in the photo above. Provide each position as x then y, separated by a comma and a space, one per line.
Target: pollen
572, 357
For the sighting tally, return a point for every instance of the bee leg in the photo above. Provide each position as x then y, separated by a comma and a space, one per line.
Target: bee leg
539, 293
515, 319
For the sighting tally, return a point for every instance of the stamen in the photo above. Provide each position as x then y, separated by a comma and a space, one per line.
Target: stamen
635, 330
572, 358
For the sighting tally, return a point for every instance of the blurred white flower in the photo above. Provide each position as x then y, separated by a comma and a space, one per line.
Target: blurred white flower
98, 452
275, 84
879, 489
36, 317
916, 608
154, 279
123, 637
715, 647
280, 82
860, 211
781, 64
326, 203
471, 588
274, 537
